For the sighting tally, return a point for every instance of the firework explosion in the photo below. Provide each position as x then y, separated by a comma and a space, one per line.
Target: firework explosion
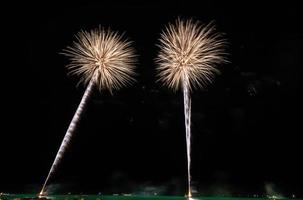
102, 58
189, 50
189, 54
103, 52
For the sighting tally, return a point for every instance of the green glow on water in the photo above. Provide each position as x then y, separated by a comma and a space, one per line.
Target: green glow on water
126, 197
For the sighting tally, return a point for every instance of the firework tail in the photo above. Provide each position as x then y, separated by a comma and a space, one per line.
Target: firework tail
71, 129
187, 116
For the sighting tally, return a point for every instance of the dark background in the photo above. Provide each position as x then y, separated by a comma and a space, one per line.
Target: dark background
246, 127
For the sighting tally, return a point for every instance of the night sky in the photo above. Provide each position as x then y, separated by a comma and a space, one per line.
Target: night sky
246, 127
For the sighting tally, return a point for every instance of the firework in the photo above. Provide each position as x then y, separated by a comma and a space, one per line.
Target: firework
189, 50
103, 52
102, 58
189, 55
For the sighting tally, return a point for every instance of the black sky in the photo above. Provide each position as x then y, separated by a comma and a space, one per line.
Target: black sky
246, 127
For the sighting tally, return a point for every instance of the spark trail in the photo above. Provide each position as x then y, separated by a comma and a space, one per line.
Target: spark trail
71, 129
187, 117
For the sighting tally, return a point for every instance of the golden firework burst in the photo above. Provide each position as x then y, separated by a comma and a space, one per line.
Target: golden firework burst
191, 50
105, 54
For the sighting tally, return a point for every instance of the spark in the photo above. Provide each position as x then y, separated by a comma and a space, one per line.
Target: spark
41, 195
189, 194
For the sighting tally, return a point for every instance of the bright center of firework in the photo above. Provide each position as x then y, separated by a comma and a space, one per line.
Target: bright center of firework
183, 61
100, 62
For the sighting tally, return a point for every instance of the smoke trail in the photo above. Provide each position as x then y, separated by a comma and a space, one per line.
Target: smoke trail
54, 188
271, 191
187, 115
71, 129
